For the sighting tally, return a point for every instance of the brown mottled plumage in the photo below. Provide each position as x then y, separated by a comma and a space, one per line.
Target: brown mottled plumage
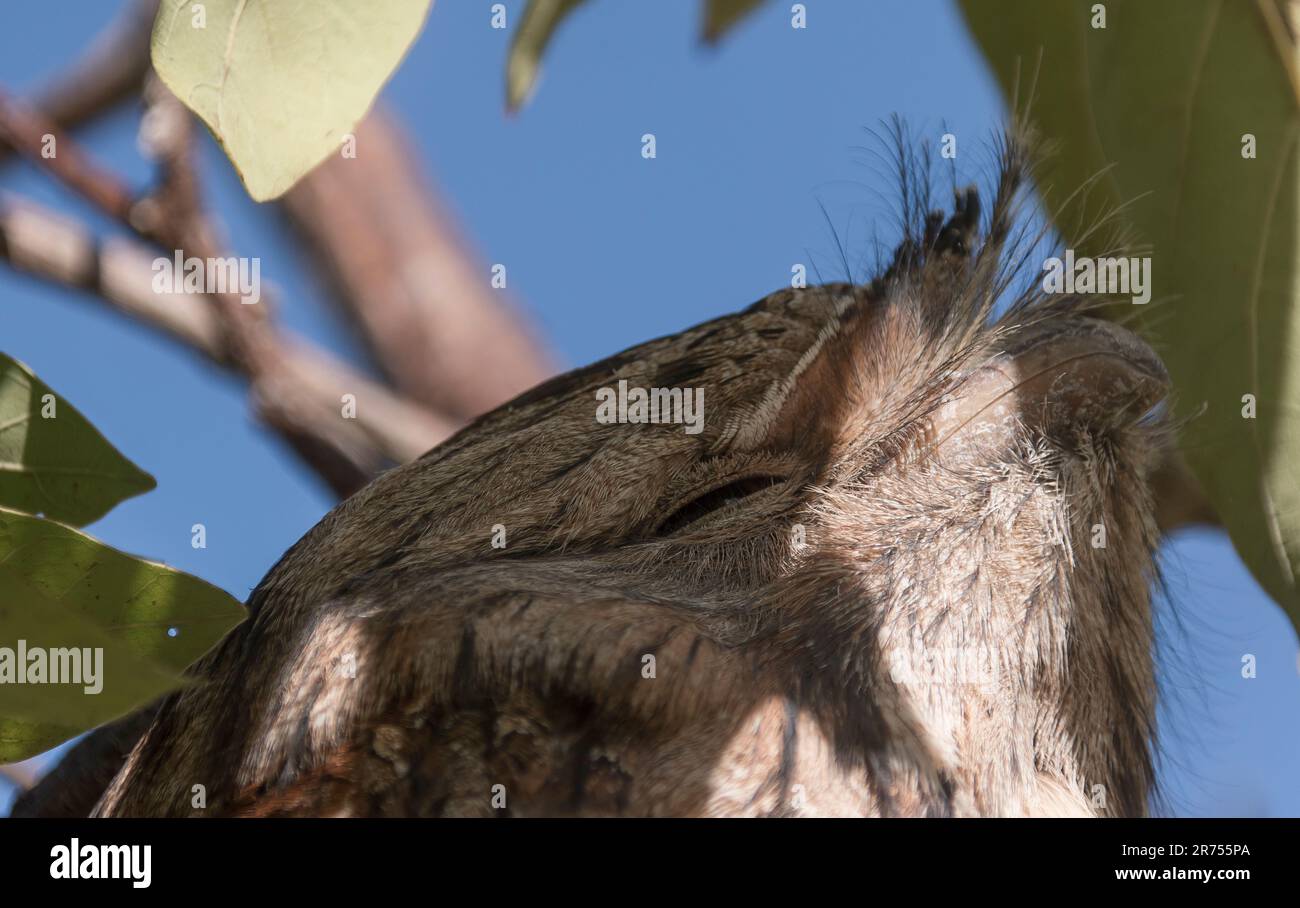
894, 605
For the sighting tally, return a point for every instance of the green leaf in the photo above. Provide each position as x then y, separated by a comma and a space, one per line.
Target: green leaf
281, 82
523, 63
721, 15
134, 600
59, 588
106, 680
52, 460
97, 679
21, 740
542, 17
1166, 92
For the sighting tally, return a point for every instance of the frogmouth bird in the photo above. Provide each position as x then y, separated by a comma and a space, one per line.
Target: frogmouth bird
869, 584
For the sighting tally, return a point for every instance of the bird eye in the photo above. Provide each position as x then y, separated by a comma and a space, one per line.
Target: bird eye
715, 499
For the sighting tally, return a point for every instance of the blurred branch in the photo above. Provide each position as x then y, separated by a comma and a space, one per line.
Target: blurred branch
110, 71
119, 273
296, 392
55, 248
397, 266
28, 132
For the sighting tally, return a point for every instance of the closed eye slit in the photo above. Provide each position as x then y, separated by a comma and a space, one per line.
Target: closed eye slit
706, 503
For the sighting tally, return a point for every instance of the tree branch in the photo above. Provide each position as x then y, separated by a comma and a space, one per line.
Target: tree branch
296, 393
37, 137
110, 71
425, 308
119, 273
397, 266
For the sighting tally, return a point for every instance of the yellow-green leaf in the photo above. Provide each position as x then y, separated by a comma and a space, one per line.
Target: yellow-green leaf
523, 63
135, 625
1173, 93
52, 460
58, 668
160, 614
21, 739
281, 82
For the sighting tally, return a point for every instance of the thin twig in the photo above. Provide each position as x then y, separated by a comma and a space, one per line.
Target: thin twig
41, 140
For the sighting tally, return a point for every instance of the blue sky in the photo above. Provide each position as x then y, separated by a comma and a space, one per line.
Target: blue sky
605, 249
